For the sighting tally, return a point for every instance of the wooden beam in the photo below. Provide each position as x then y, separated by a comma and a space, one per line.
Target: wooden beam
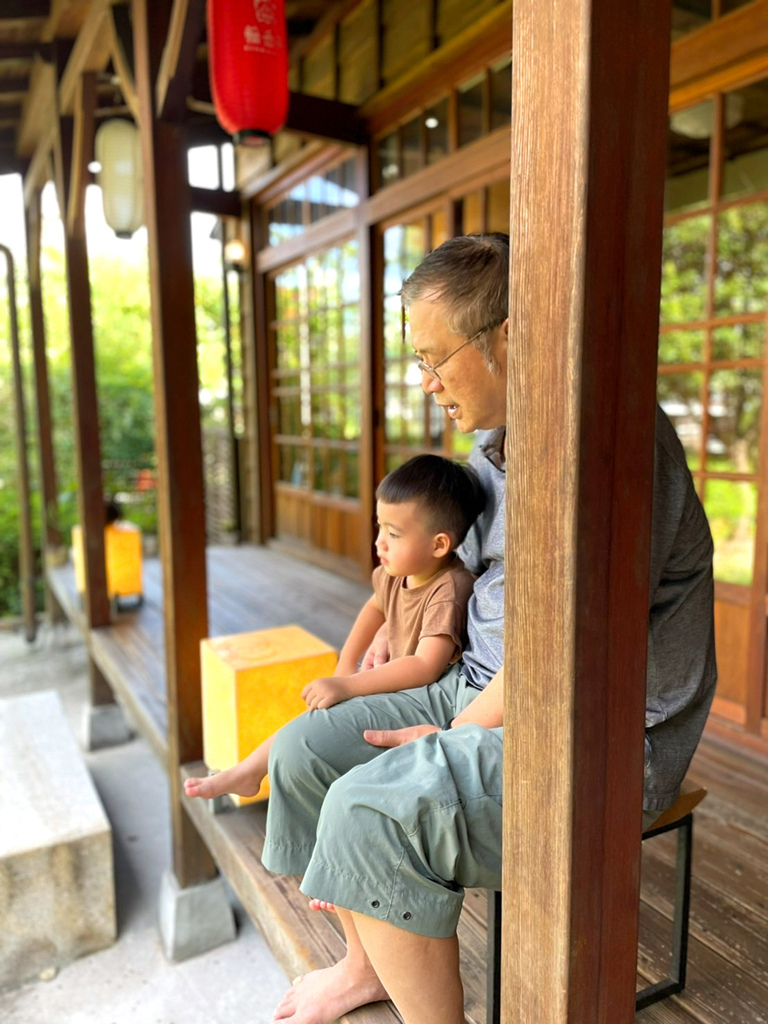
19, 83
82, 152
177, 419
587, 176
122, 55
174, 81
24, 51
216, 201
14, 10
325, 119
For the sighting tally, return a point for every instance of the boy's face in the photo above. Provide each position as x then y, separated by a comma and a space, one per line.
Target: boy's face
405, 544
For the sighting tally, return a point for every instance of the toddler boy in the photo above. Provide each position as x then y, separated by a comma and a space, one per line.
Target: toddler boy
421, 590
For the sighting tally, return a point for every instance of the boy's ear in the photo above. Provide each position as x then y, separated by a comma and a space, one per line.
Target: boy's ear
442, 545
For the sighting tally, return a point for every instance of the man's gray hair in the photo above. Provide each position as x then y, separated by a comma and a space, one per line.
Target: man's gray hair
469, 276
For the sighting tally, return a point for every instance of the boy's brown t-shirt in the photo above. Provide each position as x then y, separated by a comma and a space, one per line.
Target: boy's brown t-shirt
437, 608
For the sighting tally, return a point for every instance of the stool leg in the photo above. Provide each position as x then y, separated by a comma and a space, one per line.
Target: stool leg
676, 980
493, 1005
682, 902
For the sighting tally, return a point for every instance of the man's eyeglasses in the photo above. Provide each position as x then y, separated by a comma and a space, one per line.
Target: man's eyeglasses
431, 371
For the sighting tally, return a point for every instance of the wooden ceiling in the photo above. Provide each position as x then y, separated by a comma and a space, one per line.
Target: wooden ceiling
45, 41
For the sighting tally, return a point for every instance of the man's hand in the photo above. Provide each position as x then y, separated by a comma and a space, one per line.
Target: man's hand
324, 693
397, 737
378, 653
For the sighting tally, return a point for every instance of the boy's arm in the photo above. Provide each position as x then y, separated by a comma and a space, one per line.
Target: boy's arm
427, 664
360, 636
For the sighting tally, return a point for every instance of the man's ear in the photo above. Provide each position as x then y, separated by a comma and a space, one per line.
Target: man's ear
442, 545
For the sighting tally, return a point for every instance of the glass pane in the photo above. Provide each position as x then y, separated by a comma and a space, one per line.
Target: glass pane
471, 110
501, 95
745, 140
228, 166
336, 467
741, 283
436, 123
289, 415
731, 508
388, 159
349, 182
738, 341
352, 479
684, 270
679, 395
687, 16
681, 347
735, 397
320, 481
412, 147
318, 207
690, 131
294, 465
203, 167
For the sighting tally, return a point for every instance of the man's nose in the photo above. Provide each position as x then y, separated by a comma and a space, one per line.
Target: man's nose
430, 385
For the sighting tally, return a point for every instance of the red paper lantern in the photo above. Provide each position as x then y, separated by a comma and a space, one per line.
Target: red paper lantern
248, 64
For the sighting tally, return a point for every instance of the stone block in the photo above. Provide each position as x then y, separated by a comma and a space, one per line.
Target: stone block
57, 893
252, 685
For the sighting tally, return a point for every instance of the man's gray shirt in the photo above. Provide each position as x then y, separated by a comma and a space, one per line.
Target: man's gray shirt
681, 672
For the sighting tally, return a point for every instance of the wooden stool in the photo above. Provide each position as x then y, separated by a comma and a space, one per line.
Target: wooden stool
678, 816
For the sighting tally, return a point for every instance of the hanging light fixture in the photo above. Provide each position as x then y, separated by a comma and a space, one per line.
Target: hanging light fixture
248, 63
118, 151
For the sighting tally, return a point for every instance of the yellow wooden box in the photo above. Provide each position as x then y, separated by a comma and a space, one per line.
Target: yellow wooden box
252, 685
122, 546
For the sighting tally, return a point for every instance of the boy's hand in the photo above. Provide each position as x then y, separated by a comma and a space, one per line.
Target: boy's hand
324, 693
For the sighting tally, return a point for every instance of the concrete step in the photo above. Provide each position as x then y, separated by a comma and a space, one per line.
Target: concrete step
57, 893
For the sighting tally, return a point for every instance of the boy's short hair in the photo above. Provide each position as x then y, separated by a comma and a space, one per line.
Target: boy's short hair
450, 493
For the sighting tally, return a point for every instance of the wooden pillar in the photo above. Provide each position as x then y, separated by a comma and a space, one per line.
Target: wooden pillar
26, 548
51, 531
261, 381
167, 204
90, 488
590, 82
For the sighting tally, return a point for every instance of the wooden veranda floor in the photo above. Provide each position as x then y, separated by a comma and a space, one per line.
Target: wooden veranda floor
255, 588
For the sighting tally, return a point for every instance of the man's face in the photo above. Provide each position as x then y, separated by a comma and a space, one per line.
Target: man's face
474, 397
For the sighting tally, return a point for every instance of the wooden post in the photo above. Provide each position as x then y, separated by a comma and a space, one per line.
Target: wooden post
26, 549
590, 82
167, 205
50, 513
90, 489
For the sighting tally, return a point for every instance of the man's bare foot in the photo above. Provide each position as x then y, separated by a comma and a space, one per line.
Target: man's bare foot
322, 905
324, 996
232, 780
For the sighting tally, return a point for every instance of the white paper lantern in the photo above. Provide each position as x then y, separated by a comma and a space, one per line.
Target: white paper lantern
118, 150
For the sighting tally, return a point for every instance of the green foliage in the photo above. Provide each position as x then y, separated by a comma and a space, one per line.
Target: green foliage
123, 352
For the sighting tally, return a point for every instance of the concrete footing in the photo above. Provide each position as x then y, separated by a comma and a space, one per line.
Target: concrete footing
105, 725
195, 919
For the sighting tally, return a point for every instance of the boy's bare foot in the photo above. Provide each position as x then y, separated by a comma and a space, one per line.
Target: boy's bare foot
229, 781
324, 996
322, 905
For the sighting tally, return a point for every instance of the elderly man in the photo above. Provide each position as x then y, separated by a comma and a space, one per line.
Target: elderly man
390, 805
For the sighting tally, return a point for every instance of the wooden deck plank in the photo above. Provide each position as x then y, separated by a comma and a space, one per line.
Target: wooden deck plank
256, 588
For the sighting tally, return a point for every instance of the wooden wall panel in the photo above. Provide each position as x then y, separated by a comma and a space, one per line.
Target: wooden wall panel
319, 70
358, 64
453, 16
406, 38
731, 636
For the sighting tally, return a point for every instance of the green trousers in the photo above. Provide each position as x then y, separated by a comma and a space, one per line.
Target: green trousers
395, 834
